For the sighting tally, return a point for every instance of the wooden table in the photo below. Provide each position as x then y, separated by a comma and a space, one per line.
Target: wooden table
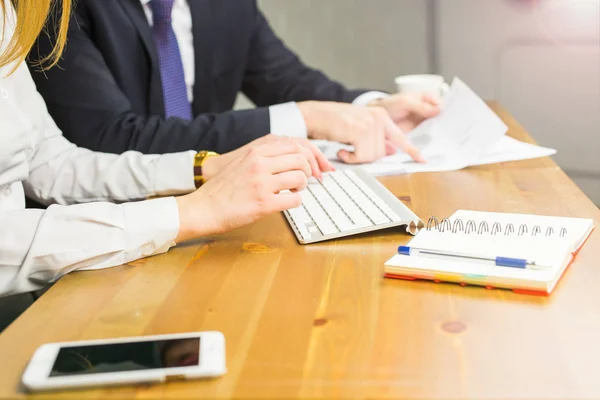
319, 320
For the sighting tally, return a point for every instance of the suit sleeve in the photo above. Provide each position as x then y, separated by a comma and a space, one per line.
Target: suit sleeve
275, 74
92, 111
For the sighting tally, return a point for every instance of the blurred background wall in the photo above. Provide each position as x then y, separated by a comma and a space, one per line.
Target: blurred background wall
539, 58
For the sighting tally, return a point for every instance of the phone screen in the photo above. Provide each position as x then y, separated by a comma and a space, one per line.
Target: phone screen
119, 357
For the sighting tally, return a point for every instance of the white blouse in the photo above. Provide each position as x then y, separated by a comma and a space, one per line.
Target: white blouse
39, 246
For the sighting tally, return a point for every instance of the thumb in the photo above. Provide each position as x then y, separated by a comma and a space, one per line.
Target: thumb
423, 107
347, 157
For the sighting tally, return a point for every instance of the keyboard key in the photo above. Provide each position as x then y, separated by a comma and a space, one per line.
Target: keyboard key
301, 218
300, 215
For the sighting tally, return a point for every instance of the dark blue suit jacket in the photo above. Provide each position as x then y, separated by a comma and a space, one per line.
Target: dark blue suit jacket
106, 94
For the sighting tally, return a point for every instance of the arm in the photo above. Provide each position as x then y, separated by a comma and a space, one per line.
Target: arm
92, 110
62, 173
37, 247
276, 75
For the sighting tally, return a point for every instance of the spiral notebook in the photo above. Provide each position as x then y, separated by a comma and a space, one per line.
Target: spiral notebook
525, 253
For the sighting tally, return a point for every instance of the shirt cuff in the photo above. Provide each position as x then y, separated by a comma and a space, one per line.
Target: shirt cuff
287, 120
365, 98
175, 174
151, 227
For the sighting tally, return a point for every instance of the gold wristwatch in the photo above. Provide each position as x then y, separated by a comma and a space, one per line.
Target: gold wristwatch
199, 160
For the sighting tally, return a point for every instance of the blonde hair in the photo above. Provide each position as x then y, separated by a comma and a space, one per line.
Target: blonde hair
31, 18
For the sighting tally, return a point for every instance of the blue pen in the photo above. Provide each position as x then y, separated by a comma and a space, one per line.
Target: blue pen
499, 261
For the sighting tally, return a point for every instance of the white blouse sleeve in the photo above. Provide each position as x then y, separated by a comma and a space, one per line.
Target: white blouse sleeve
39, 246
63, 173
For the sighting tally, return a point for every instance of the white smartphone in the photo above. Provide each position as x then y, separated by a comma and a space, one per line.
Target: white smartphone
143, 359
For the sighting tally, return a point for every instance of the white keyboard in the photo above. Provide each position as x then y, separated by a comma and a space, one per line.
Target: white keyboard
347, 202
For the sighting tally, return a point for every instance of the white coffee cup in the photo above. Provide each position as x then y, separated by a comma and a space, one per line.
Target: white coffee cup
432, 84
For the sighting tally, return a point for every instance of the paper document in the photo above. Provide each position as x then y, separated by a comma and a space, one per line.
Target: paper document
466, 132
510, 149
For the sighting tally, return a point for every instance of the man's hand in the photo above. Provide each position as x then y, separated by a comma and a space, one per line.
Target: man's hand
408, 110
370, 130
247, 189
374, 131
317, 160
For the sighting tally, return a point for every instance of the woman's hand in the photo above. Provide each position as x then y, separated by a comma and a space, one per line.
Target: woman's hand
317, 160
246, 189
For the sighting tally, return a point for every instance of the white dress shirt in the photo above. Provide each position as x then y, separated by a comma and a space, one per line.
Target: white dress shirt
285, 119
39, 246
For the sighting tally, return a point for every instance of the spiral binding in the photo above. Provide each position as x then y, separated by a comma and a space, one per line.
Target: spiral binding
459, 226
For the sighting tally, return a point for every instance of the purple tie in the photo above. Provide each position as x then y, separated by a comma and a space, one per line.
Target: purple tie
169, 60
